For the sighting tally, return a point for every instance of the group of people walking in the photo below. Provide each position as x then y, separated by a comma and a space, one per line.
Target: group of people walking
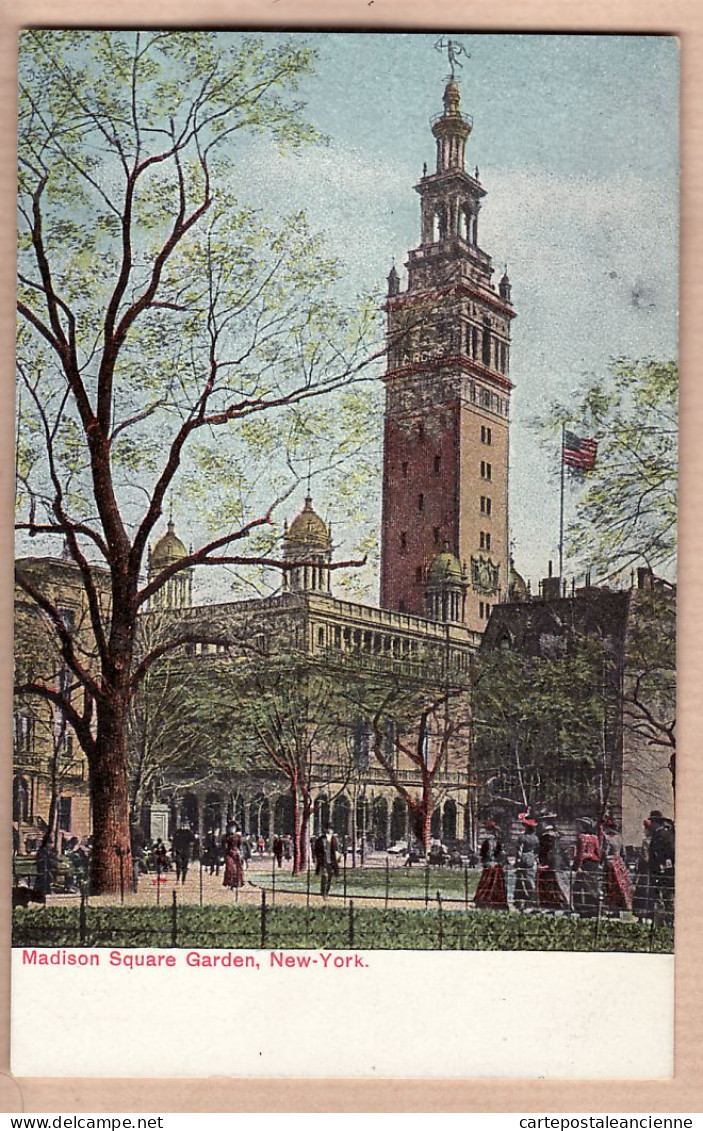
596, 878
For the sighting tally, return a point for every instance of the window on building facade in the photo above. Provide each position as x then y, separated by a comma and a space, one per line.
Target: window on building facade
418, 575
486, 470
403, 540
484, 540
486, 435
435, 534
404, 470
421, 502
437, 465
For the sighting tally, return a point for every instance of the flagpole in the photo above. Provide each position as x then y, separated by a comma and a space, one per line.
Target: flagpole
561, 508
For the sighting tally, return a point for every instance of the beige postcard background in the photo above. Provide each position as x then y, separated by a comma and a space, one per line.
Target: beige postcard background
682, 1093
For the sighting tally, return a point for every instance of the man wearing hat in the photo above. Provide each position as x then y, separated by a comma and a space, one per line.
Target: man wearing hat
662, 863
326, 863
526, 863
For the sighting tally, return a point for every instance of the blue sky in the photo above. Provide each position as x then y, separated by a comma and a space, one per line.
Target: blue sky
576, 139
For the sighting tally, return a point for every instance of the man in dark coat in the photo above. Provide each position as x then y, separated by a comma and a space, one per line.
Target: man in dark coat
181, 846
662, 863
326, 865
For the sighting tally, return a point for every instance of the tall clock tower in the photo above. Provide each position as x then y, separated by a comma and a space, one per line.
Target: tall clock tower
446, 425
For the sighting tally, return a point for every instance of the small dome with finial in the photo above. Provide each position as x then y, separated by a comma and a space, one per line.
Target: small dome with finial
452, 98
167, 550
307, 534
445, 569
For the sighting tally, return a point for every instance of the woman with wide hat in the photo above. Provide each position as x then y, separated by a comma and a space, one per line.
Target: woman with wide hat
617, 890
491, 891
586, 868
525, 895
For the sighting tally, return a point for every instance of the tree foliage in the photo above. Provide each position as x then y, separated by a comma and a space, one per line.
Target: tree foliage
541, 727
626, 508
170, 337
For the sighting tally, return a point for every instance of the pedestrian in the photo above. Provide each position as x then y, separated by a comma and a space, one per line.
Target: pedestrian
287, 848
181, 846
525, 894
586, 868
662, 864
138, 843
642, 896
234, 870
278, 850
245, 849
617, 890
551, 895
326, 863
491, 891
161, 856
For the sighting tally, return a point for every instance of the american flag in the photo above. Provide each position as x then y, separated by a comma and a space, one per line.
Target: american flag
578, 453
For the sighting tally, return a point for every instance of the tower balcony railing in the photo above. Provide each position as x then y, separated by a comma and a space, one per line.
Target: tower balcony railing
439, 248
452, 118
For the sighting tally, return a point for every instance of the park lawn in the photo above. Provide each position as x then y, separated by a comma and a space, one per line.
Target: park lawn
414, 883
330, 928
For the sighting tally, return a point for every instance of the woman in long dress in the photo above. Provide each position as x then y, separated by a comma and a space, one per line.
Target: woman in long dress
586, 868
234, 868
550, 893
617, 889
525, 894
491, 891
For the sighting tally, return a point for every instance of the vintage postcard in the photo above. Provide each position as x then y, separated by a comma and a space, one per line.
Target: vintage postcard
345, 589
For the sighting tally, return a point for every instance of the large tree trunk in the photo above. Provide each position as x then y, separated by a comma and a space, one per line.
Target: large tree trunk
111, 855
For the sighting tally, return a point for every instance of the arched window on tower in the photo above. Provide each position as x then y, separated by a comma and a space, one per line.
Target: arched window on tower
439, 224
466, 224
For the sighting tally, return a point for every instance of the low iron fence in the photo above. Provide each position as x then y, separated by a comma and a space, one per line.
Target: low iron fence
263, 925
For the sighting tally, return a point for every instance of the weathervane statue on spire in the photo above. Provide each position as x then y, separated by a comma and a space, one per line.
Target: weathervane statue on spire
454, 49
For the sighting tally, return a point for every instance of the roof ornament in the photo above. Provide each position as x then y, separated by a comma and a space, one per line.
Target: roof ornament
454, 50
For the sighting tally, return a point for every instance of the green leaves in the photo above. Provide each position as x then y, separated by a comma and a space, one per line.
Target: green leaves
626, 510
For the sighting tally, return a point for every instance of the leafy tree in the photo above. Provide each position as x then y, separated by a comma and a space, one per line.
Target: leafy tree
419, 722
543, 727
649, 686
279, 712
169, 338
626, 511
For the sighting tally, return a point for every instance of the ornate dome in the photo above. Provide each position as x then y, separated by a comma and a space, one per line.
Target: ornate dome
167, 550
308, 534
445, 569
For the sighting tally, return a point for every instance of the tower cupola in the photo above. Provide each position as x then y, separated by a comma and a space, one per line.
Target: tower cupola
451, 129
307, 545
